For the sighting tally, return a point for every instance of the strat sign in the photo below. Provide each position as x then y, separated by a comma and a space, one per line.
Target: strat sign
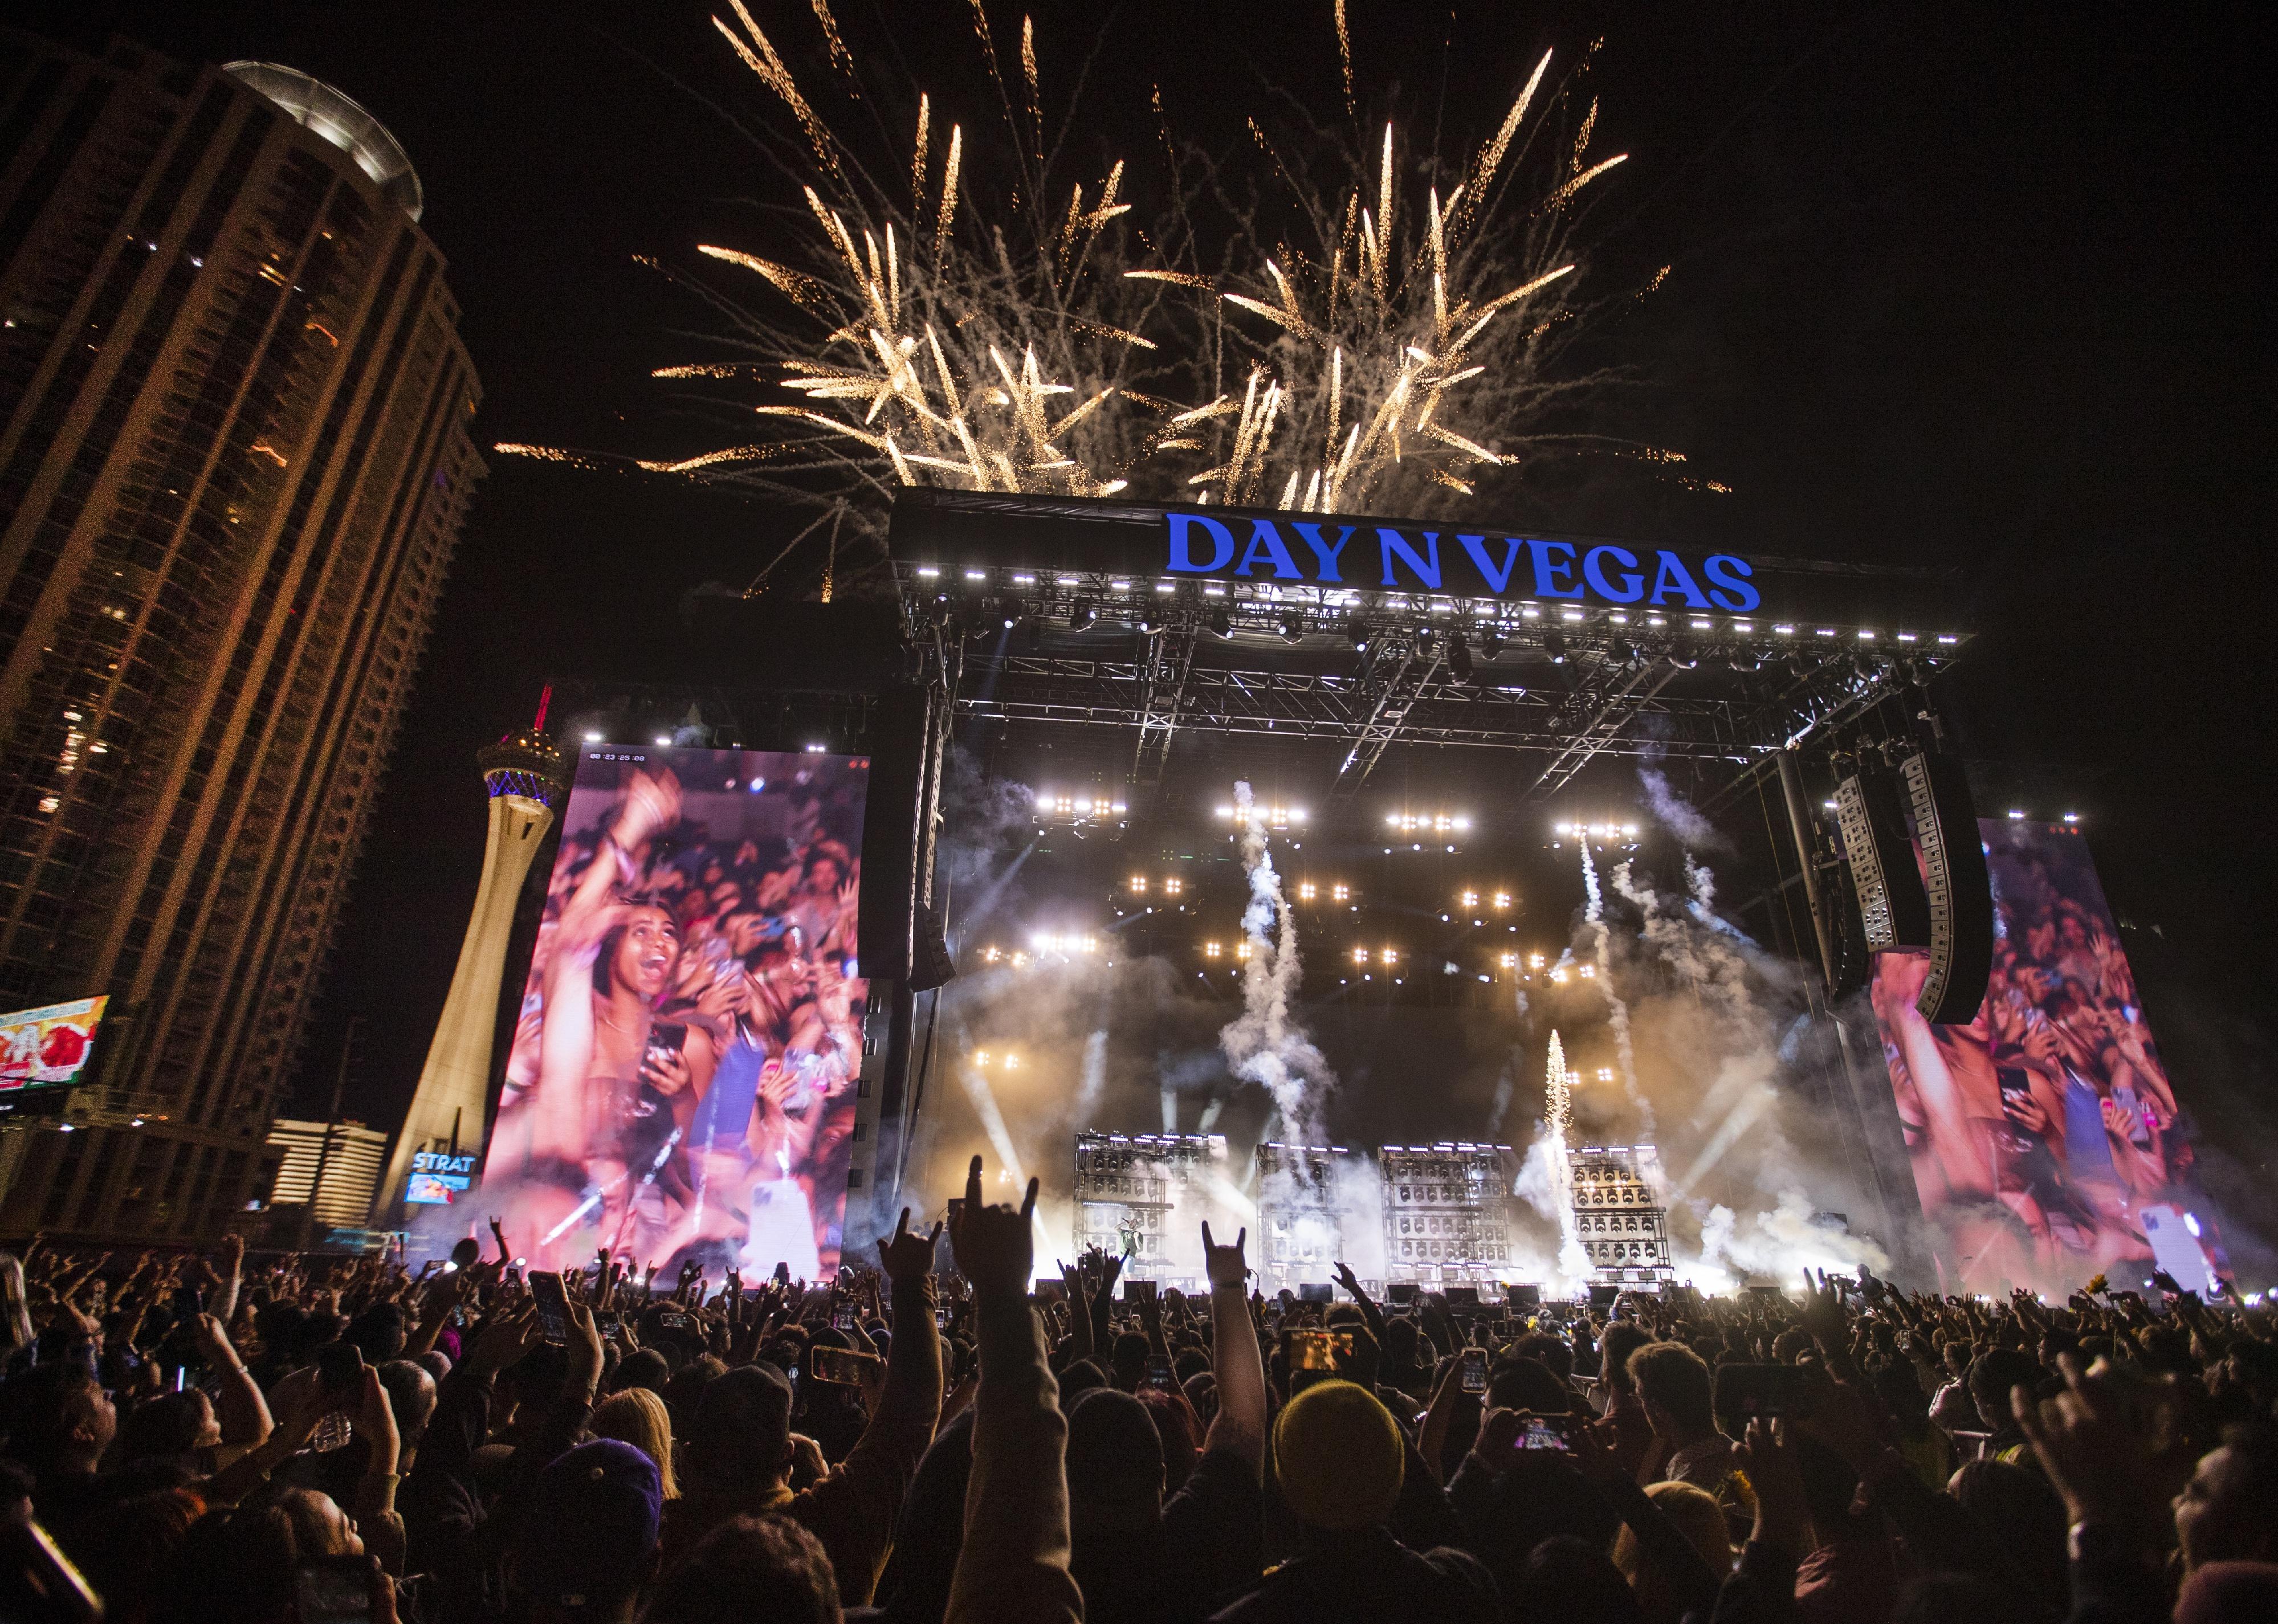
438, 1177
1375, 557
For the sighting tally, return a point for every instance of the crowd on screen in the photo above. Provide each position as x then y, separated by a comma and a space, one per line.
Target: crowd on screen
682, 1080
2043, 1129
297, 1440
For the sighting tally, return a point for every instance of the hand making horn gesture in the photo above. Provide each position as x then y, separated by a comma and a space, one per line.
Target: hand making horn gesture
995, 1246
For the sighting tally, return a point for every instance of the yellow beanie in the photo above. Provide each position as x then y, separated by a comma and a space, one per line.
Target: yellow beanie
1338, 1454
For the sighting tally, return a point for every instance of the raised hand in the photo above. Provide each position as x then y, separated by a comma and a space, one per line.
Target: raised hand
1349, 1280
504, 1341
1822, 1311
1776, 1473
906, 1256
1498, 1433
2101, 1463
1224, 1265
994, 1246
584, 1352
652, 805
373, 1420
1593, 1450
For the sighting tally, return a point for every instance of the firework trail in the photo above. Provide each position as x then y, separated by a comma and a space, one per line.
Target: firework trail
1267, 1043
946, 307
1618, 1011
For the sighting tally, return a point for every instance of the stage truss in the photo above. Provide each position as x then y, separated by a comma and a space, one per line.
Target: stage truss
1361, 673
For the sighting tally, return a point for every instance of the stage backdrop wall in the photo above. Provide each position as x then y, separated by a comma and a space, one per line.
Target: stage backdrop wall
683, 1077
2046, 1139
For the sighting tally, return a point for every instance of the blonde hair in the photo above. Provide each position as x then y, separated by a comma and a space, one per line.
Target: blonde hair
638, 1416
1699, 1518
15, 1305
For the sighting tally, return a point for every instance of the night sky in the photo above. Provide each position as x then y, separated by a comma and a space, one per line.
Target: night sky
1953, 291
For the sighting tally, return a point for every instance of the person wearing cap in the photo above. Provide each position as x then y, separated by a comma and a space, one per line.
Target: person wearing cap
588, 1542
740, 1447
1339, 1460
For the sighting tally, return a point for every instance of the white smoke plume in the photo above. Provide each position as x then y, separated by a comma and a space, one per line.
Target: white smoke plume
1745, 1181
1618, 1009
1776, 1246
1694, 832
1546, 1184
1267, 1043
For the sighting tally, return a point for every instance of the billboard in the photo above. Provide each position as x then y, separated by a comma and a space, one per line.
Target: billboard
2045, 1138
682, 1081
51, 1044
437, 1179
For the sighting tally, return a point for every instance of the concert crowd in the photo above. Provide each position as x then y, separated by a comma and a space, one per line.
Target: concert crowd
303, 1440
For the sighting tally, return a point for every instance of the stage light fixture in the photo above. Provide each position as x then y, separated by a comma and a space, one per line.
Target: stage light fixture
1471, 899
2072, 817
1360, 956
1081, 613
1306, 891
1743, 660
1339, 893
1138, 885
1508, 961
1490, 644
1554, 643
1293, 627
1148, 622
1684, 657
1459, 658
1209, 949
1534, 961
1358, 633
1221, 621
1173, 886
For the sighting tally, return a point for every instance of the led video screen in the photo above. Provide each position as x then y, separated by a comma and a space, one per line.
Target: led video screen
682, 1081
49, 1045
2047, 1142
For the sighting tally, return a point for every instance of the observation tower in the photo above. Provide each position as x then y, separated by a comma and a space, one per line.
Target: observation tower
526, 779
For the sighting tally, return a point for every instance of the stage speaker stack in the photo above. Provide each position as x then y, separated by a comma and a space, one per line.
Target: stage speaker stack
1894, 908
896, 831
1961, 889
930, 964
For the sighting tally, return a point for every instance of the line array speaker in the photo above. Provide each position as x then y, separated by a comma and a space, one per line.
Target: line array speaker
1961, 889
894, 831
1892, 905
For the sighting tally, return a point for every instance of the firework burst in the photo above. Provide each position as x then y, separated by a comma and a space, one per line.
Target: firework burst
954, 306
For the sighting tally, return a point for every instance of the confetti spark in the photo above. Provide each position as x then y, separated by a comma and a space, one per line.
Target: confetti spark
962, 309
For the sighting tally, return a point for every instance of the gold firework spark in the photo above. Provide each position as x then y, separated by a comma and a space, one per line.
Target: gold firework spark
1372, 344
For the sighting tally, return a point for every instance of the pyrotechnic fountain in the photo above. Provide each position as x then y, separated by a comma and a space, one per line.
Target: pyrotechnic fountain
1557, 1123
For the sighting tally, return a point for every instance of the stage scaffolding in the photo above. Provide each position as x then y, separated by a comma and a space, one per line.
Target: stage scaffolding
1360, 671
